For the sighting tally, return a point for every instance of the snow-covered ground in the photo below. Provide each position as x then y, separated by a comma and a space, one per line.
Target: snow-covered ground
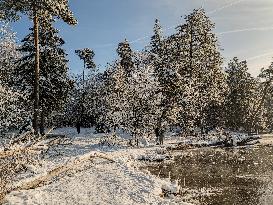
98, 181
115, 178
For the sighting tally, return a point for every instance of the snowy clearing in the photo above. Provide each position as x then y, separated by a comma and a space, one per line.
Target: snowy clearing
95, 180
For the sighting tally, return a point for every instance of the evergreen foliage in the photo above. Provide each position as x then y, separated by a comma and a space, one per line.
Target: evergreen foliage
54, 80
12, 111
126, 57
177, 80
240, 100
36, 9
11, 9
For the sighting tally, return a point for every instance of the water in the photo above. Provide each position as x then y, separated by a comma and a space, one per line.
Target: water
232, 176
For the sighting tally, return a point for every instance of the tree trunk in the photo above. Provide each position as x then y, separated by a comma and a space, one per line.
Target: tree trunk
36, 73
159, 130
83, 97
42, 124
83, 76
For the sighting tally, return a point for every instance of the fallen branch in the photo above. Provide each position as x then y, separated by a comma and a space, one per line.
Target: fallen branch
26, 143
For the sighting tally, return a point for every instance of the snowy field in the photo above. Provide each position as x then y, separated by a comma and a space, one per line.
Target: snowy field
99, 180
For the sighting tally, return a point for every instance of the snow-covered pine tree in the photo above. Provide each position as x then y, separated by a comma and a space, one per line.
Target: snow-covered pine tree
241, 100
141, 98
12, 113
36, 9
115, 96
134, 92
94, 104
166, 75
54, 80
265, 91
268, 111
146, 100
106, 104
117, 82
8, 53
87, 55
125, 53
129, 102
126, 92
156, 45
72, 108
197, 58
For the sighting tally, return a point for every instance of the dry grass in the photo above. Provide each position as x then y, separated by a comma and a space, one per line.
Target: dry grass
10, 166
17, 154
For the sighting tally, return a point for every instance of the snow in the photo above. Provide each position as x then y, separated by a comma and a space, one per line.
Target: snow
216, 137
114, 178
171, 188
97, 181
102, 183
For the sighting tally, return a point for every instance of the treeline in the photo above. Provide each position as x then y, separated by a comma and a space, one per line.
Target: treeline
176, 81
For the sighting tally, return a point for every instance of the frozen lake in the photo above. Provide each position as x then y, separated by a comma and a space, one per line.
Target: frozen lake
223, 176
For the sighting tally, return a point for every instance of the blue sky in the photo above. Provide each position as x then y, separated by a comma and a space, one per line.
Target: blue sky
244, 27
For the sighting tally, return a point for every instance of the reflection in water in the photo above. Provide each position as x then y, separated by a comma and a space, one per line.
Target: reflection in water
241, 176
267, 196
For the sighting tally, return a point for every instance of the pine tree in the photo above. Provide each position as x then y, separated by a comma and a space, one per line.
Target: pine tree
87, 55
196, 56
241, 98
106, 99
54, 81
35, 9
126, 57
264, 95
118, 80
268, 111
156, 44
141, 99
167, 78
129, 102
8, 53
12, 112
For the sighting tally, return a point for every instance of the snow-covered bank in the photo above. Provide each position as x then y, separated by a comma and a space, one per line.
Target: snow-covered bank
106, 171
96, 181
219, 138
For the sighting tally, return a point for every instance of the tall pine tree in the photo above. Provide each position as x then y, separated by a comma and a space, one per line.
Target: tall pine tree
166, 76
36, 9
54, 81
196, 55
241, 98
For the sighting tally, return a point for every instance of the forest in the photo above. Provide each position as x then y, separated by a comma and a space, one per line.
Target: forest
177, 83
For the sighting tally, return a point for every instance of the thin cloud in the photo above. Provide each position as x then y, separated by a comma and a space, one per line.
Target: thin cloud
225, 6
260, 56
246, 30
